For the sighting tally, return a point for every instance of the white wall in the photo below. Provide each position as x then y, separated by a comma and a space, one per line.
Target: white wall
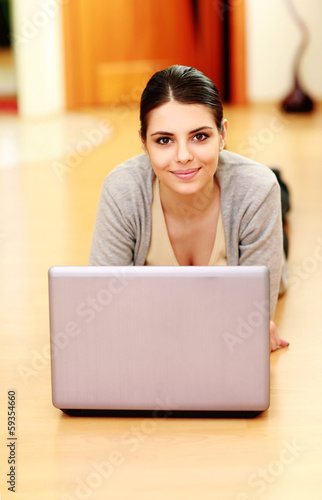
38, 48
273, 38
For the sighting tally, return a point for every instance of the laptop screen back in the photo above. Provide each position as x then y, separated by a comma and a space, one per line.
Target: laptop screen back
146, 338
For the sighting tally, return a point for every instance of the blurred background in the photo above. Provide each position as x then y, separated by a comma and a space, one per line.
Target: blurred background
64, 54
72, 73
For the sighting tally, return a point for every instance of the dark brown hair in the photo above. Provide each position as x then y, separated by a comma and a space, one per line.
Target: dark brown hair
182, 84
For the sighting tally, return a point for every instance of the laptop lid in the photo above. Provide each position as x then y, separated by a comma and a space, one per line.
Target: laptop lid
168, 338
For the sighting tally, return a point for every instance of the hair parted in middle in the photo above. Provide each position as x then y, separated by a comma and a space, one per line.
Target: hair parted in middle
183, 84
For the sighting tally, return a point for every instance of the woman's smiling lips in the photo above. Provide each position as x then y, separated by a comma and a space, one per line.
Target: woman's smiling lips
187, 174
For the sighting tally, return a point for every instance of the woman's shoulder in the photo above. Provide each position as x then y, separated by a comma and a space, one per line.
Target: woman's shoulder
236, 169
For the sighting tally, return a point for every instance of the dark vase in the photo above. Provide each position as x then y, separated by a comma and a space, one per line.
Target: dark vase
298, 101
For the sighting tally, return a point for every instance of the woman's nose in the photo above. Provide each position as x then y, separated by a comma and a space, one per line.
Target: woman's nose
183, 153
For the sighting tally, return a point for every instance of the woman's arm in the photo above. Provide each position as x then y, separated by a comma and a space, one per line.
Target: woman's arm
261, 243
261, 236
251, 209
113, 238
122, 229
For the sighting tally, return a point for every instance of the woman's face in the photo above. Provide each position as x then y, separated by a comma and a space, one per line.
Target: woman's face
183, 144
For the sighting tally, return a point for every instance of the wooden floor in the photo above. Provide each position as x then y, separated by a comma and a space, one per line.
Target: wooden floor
48, 208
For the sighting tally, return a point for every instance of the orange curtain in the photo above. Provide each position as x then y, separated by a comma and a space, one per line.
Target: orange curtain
171, 32
237, 35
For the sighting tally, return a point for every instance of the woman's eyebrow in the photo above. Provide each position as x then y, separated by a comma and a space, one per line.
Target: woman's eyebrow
200, 128
162, 132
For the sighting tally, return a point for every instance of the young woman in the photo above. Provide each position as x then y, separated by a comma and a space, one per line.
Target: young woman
187, 201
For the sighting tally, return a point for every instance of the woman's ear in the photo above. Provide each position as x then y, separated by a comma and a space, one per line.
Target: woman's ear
143, 142
223, 134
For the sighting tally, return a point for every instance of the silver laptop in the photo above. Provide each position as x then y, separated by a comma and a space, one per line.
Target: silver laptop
160, 338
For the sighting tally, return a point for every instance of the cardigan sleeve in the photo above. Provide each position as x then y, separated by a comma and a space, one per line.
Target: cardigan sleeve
252, 214
113, 238
261, 236
122, 228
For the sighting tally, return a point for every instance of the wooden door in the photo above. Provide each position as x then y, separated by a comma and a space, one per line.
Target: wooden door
112, 48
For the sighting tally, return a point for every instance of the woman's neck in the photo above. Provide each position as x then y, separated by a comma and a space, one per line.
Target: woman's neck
189, 206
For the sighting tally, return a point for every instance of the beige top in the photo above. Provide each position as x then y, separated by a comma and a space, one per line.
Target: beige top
160, 251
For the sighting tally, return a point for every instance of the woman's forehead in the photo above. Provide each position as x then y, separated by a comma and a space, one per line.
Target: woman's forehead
173, 116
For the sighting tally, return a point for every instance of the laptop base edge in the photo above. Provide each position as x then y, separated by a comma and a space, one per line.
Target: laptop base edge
164, 413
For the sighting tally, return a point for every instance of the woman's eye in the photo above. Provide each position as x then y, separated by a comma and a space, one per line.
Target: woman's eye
200, 137
164, 140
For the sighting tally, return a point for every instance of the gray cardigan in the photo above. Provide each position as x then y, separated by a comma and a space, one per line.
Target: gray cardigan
250, 205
